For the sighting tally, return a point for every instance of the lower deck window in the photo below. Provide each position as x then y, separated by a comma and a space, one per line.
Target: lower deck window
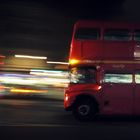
118, 78
137, 76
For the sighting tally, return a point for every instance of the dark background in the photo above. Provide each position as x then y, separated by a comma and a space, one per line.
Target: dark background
44, 27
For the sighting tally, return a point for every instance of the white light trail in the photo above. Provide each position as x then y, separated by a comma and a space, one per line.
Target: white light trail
31, 57
53, 62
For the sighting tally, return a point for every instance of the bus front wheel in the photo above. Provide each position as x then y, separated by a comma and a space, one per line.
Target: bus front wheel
84, 110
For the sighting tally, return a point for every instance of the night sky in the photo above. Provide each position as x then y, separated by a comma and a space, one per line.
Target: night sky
44, 27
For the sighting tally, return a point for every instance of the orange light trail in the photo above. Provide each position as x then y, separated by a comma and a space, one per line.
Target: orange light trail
27, 91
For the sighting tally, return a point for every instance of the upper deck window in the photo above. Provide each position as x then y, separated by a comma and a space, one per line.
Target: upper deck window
117, 34
87, 33
137, 35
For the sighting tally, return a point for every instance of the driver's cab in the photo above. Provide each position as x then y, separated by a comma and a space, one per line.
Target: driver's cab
83, 75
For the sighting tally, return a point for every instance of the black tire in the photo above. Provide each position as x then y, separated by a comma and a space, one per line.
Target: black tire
84, 110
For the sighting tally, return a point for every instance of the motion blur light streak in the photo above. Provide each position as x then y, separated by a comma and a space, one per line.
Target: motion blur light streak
1, 59
53, 73
31, 57
36, 81
53, 62
1, 63
19, 90
2, 56
18, 80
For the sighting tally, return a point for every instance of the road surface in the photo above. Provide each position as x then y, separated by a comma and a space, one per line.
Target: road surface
46, 119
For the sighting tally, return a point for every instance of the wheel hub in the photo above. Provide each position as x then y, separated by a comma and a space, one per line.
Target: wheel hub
83, 110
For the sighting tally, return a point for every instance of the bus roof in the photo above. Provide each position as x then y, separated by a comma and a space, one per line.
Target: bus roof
105, 24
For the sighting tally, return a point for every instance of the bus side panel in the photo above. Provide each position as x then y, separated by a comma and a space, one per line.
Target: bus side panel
118, 50
118, 99
75, 50
137, 100
118, 96
92, 50
137, 90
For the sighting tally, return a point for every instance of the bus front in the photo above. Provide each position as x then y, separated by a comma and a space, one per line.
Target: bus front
81, 95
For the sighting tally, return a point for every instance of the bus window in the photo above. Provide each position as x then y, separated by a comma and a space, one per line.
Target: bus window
137, 76
137, 35
83, 75
87, 33
113, 77
117, 34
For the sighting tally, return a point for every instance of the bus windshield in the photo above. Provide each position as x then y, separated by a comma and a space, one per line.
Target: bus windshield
82, 75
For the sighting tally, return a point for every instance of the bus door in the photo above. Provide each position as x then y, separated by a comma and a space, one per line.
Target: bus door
137, 91
118, 92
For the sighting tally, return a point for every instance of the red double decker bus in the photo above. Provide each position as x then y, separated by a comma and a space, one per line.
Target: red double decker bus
104, 70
